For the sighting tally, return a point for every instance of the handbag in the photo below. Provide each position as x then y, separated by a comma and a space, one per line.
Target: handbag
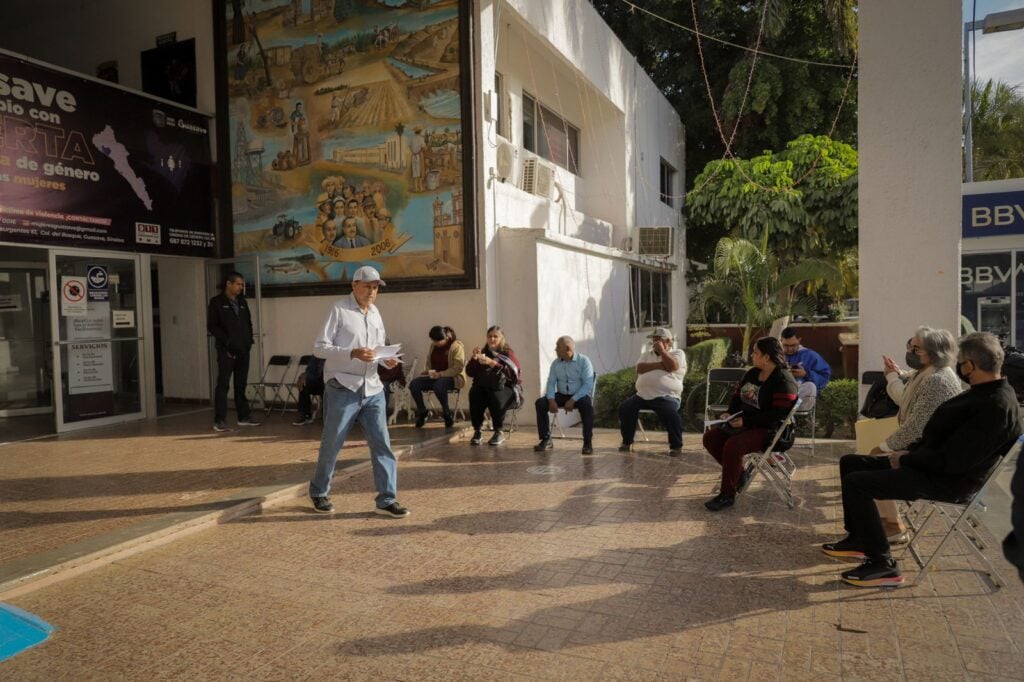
493, 378
877, 403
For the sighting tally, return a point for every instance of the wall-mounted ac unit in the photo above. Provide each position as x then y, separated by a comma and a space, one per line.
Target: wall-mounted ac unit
538, 177
506, 161
655, 241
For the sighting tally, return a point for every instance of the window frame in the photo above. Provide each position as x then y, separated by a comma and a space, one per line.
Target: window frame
650, 298
666, 182
537, 116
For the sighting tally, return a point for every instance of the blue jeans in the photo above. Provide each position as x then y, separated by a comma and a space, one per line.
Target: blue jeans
439, 386
342, 408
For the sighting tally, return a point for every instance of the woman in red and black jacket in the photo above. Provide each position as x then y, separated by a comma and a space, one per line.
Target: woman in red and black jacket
764, 396
495, 372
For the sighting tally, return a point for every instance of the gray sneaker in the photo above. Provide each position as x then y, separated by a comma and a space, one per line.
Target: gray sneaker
249, 421
221, 427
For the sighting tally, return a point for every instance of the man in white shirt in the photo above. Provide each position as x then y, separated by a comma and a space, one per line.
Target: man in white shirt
354, 391
659, 387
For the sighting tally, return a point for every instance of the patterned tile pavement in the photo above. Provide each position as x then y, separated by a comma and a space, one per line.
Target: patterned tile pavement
518, 565
67, 489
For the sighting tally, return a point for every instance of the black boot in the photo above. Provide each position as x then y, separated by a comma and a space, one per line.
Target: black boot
421, 419
449, 420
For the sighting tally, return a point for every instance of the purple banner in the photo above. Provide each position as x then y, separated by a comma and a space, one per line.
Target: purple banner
87, 164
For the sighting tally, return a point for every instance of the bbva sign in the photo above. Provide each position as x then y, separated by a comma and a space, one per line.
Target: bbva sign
989, 215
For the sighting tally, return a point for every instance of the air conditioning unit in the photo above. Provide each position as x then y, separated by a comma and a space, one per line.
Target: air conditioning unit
538, 177
506, 162
655, 241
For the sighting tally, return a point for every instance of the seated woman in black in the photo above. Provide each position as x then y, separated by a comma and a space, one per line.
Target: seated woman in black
495, 372
764, 396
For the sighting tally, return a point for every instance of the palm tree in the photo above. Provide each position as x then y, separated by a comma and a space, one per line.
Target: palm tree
748, 283
998, 130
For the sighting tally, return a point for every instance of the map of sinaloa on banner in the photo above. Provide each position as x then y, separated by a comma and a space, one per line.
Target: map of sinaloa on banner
86, 164
347, 141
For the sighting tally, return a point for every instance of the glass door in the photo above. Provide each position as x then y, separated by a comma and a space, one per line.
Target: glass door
25, 370
98, 338
217, 272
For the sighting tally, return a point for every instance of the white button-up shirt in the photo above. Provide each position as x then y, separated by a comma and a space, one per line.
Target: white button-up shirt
346, 328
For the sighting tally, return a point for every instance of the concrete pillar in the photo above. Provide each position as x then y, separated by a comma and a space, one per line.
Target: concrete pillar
909, 105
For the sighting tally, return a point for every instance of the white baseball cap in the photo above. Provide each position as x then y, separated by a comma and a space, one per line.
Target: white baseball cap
368, 274
661, 333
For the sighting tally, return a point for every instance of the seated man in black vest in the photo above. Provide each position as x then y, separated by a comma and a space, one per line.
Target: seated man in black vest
966, 436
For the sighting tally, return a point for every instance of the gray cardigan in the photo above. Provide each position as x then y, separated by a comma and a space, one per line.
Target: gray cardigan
934, 390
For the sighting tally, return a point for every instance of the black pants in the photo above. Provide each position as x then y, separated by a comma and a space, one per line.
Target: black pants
866, 478
667, 410
309, 389
497, 400
584, 406
236, 370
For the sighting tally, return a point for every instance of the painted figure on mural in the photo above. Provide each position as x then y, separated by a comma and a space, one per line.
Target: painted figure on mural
417, 147
350, 237
300, 136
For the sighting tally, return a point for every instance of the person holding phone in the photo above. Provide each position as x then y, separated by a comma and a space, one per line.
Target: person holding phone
808, 368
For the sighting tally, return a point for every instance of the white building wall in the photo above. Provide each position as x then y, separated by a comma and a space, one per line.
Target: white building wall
184, 349
909, 106
291, 324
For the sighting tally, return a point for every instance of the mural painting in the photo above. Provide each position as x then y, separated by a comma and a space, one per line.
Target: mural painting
345, 121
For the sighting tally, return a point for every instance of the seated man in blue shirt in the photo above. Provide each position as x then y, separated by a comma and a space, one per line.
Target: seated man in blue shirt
808, 368
570, 385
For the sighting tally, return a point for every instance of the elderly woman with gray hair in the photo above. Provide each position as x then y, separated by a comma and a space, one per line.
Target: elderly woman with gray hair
931, 381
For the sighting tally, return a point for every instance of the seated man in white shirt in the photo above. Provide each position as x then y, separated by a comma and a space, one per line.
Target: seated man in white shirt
659, 387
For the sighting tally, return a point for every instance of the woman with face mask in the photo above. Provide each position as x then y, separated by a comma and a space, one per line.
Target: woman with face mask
930, 381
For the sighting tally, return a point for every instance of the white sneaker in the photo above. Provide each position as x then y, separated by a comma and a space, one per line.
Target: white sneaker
302, 421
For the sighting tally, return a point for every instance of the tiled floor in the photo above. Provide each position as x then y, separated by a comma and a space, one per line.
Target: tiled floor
515, 565
61, 490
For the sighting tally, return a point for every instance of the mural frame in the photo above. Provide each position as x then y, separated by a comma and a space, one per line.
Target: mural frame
470, 279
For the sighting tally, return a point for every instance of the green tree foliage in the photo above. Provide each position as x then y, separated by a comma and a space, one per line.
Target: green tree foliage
751, 284
787, 99
804, 198
998, 130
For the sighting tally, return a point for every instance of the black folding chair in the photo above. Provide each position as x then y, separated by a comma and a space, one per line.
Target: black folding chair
274, 379
719, 389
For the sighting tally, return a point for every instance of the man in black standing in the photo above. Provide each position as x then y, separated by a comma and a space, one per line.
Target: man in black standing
229, 322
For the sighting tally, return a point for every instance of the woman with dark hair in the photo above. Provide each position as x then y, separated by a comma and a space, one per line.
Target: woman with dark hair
495, 372
446, 371
762, 400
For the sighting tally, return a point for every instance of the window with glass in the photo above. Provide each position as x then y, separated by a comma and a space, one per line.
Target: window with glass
667, 183
548, 135
501, 119
650, 298
987, 293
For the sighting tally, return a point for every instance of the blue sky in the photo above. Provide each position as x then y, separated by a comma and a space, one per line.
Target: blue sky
999, 56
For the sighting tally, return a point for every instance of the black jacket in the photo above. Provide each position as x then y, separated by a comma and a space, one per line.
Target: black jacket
966, 435
1013, 547
767, 403
232, 332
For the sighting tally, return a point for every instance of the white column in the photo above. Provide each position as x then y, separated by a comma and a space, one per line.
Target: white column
909, 136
